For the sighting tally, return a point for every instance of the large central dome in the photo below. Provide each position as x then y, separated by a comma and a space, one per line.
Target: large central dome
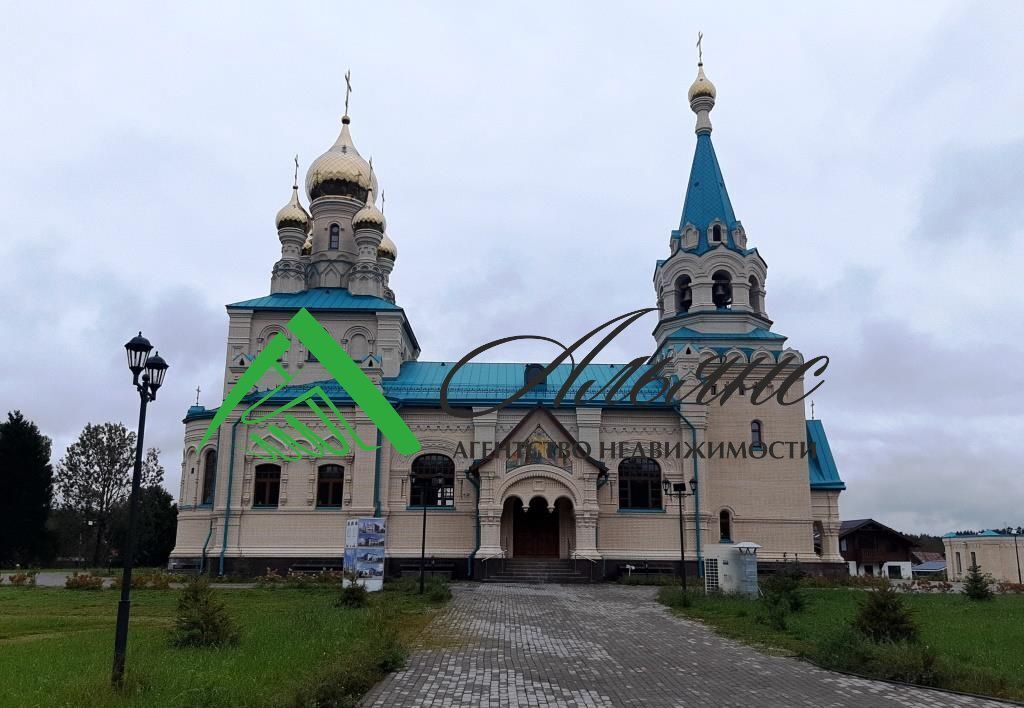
341, 171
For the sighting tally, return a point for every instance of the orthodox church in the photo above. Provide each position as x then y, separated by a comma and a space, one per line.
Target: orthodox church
489, 509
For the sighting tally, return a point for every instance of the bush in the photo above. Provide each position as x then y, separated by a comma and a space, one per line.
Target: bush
1007, 588
269, 579
783, 587
354, 595
23, 579
674, 597
85, 581
157, 579
203, 620
436, 588
848, 650
882, 617
976, 587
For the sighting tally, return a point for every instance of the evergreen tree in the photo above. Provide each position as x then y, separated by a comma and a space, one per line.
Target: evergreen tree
155, 527
26, 491
203, 619
95, 475
882, 617
976, 586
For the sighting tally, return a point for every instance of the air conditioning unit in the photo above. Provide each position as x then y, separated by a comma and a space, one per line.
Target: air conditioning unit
731, 567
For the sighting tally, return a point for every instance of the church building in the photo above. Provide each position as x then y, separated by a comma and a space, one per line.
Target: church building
491, 505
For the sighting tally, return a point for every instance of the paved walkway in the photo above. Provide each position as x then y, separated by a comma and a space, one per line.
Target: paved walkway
609, 645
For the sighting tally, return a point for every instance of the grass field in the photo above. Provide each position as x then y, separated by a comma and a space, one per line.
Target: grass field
980, 645
56, 647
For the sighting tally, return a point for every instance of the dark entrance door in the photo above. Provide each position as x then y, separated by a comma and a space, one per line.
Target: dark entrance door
535, 531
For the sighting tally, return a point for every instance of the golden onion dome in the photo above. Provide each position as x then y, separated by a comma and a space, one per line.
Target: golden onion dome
307, 247
369, 217
701, 86
293, 214
341, 171
387, 248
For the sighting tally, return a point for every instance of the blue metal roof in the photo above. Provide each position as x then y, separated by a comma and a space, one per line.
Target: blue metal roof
316, 299
706, 196
821, 465
981, 534
419, 382
929, 567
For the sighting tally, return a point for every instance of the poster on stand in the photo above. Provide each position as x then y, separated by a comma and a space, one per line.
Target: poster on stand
364, 551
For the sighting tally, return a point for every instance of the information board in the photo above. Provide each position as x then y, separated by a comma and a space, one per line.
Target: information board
364, 551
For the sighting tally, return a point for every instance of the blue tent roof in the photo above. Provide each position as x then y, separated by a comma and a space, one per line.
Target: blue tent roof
987, 533
706, 196
929, 567
821, 465
316, 299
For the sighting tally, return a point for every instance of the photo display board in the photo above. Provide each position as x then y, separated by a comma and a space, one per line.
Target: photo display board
364, 551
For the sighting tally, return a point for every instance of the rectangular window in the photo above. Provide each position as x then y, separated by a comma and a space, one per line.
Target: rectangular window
959, 567
329, 485
423, 493
842, 544
974, 559
267, 486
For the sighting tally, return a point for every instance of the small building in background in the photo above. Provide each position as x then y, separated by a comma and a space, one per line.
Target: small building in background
929, 570
872, 548
997, 553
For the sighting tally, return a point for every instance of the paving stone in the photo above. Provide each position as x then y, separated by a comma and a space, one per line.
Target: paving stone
607, 645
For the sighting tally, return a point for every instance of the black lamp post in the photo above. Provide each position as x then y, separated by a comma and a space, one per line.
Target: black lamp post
436, 483
155, 368
678, 490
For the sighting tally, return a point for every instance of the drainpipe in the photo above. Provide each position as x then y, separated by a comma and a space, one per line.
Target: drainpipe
206, 544
376, 477
476, 548
227, 507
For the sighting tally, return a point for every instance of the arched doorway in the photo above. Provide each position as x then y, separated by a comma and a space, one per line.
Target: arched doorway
537, 530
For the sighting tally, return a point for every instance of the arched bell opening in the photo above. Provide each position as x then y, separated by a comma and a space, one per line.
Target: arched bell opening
721, 290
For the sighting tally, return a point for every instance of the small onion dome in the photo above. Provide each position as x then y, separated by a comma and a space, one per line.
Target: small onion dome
369, 217
701, 86
341, 171
387, 248
307, 247
292, 214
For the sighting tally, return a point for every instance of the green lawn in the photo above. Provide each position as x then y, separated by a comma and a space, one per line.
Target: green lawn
979, 644
56, 647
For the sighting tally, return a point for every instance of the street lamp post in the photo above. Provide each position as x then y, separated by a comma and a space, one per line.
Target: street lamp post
435, 485
139, 360
678, 490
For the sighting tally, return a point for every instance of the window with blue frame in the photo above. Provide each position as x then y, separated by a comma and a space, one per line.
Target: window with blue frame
756, 435
724, 527
423, 491
639, 483
266, 488
209, 477
335, 241
330, 481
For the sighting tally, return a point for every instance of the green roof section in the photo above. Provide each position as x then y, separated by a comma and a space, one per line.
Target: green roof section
337, 299
821, 465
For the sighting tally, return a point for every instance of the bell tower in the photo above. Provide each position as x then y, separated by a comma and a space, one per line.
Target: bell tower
711, 283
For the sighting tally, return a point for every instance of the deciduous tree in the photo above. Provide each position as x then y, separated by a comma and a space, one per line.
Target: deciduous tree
95, 475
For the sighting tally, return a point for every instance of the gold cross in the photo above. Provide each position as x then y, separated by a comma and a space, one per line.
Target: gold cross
382, 201
197, 394
348, 88
700, 51
296, 184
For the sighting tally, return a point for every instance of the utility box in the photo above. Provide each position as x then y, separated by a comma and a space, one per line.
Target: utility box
731, 567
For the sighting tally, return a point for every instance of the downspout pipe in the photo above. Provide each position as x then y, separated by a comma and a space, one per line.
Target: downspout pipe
206, 544
397, 405
227, 506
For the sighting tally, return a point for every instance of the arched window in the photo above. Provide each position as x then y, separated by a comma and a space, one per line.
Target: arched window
639, 483
819, 538
423, 490
534, 374
330, 480
209, 477
684, 294
266, 488
335, 237
721, 290
358, 346
716, 233
724, 527
755, 296
756, 439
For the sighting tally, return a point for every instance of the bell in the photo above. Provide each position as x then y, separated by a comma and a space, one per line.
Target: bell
718, 291
685, 300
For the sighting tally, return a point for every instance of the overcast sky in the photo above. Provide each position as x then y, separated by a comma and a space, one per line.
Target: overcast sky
535, 158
